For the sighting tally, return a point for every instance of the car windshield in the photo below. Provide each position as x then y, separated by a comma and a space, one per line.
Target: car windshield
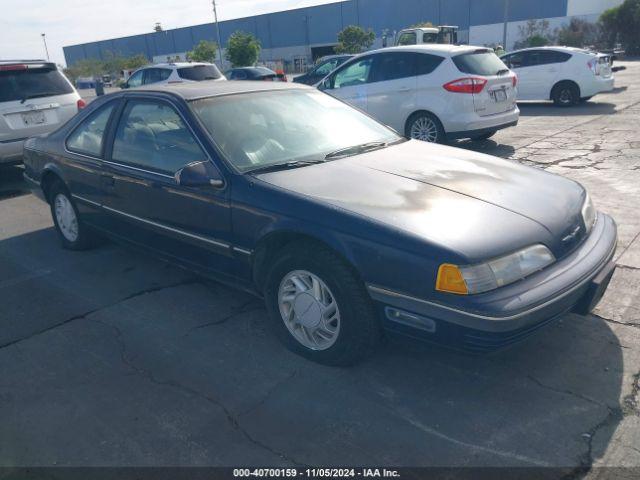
200, 72
479, 62
23, 83
261, 129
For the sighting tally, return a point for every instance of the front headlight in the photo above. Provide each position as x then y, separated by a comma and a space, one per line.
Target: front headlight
470, 279
588, 213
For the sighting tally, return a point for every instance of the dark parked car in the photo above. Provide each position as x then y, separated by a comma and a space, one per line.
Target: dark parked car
324, 67
342, 226
255, 73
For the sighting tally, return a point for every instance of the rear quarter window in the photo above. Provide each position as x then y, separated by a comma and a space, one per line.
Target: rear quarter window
426, 63
32, 83
479, 62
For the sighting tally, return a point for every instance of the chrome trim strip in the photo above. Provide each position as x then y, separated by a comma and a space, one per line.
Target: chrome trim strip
242, 250
138, 169
86, 200
170, 229
391, 293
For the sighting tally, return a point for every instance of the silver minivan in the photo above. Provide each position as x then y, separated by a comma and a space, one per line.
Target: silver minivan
35, 98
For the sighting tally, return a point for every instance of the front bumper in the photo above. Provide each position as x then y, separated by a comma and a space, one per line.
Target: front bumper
11, 151
574, 284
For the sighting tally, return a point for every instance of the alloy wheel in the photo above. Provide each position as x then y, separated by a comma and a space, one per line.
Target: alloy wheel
425, 129
309, 310
66, 217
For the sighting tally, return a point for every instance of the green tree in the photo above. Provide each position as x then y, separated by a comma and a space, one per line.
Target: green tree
422, 25
535, 33
578, 33
622, 23
243, 49
354, 39
204, 51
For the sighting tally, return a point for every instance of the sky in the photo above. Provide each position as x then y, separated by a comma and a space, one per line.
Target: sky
69, 22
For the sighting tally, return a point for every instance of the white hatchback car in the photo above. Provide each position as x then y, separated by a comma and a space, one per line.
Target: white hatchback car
173, 73
563, 74
430, 92
35, 98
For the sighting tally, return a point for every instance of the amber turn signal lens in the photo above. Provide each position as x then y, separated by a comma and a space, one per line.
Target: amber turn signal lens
450, 280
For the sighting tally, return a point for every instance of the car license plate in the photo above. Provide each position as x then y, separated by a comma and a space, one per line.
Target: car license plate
34, 118
500, 95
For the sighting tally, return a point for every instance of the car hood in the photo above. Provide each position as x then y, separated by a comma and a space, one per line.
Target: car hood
474, 204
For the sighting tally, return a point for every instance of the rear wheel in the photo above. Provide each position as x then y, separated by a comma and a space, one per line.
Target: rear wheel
319, 308
426, 127
565, 94
73, 234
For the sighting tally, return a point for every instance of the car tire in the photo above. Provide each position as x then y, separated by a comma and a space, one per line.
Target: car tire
73, 234
426, 127
484, 136
319, 308
565, 94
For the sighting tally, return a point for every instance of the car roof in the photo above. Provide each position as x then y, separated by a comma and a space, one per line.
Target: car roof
175, 65
554, 48
205, 89
431, 48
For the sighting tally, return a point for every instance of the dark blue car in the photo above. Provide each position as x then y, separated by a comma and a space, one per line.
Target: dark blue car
342, 225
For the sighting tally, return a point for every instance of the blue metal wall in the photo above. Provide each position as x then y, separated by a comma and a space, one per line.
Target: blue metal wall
321, 24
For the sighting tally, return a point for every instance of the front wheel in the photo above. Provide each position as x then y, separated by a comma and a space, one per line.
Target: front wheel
426, 127
319, 308
72, 232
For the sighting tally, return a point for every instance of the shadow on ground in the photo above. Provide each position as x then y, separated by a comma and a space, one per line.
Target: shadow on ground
548, 109
114, 358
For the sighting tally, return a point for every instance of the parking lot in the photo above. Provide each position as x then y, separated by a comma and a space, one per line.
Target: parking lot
111, 357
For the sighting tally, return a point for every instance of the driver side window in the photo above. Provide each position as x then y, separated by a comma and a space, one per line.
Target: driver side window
151, 135
357, 73
135, 80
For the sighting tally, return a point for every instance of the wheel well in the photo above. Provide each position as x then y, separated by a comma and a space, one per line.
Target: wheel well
269, 247
561, 82
418, 112
48, 179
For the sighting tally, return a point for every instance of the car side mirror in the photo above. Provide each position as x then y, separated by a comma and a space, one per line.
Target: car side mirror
124, 85
199, 174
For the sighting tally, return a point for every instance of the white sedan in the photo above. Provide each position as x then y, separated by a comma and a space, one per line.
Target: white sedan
563, 74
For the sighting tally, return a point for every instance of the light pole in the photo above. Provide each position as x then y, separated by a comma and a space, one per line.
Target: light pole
506, 23
45, 44
215, 16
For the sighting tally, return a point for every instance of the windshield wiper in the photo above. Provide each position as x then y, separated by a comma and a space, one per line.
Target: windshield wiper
502, 71
37, 95
285, 166
356, 149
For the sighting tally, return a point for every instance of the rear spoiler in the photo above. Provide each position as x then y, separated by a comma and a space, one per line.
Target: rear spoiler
4, 67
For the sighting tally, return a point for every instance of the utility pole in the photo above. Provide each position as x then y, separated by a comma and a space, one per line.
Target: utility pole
45, 45
506, 23
215, 15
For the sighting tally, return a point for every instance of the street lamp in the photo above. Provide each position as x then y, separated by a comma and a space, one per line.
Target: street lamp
215, 16
45, 44
506, 23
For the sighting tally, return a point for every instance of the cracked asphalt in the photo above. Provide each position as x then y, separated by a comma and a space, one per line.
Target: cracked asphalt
113, 358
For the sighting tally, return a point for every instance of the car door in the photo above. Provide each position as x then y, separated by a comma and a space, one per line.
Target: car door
528, 75
350, 82
391, 93
85, 149
151, 143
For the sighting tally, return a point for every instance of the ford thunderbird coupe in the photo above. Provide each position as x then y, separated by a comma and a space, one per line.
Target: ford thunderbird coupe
344, 227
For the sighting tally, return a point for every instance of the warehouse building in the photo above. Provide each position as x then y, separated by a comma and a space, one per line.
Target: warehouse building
294, 38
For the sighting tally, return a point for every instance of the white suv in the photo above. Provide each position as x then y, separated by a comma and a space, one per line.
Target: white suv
563, 74
173, 73
35, 98
430, 92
